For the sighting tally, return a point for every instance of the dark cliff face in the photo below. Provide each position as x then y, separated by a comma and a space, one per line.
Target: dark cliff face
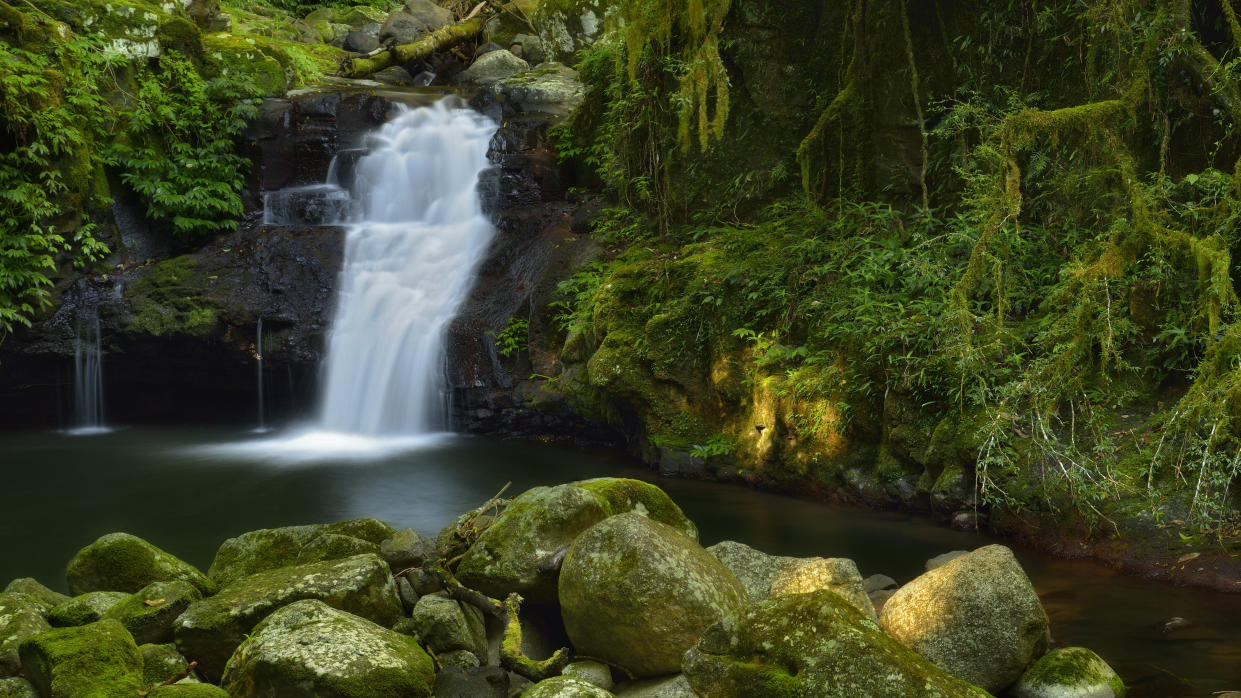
180, 322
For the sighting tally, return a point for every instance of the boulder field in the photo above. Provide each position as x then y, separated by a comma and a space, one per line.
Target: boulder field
592, 588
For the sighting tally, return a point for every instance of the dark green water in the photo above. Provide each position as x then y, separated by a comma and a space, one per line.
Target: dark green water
60, 492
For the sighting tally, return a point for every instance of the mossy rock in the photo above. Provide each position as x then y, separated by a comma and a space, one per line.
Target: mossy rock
188, 690
445, 625
148, 614
210, 630
567, 26
121, 562
17, 688
517, 551
161, 663
766, 575
21, 618
1069, 672
32, 587
99, 660
976, 617
310, 648
811, 644
85, 608
623, 495
566, 687
637, 593
272, 548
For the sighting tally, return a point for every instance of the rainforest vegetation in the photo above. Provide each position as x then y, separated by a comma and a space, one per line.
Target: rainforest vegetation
979, 247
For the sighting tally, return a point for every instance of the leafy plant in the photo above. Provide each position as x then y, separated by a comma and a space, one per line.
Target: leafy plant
512, 339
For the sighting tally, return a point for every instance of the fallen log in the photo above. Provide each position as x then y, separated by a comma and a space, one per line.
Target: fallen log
438, 40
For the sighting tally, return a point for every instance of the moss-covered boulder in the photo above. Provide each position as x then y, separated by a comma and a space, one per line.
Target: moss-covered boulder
976, 617
637, 593
566, 26
21, 618
273, 548
550, 88
566, 687
516, 553
84, 608
663, 687
1069, 672
445, 625
765, 575
406, 548
210, 630
17, 688
148, 614
161, 663
310, 648
811, 644
491, 67
188, 690
99, 660
121, 562
28, 585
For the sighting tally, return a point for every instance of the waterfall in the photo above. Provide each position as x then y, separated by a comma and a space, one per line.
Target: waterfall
419, 233
87, 373
258, 360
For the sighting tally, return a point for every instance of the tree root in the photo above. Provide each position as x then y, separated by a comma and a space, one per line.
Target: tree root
513, 659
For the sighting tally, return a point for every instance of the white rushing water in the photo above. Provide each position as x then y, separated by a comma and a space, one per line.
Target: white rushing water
416, 234
88, 375
409, 261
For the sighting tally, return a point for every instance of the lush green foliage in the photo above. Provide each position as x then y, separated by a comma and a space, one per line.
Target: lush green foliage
52, 116
512, 339
180, 156
1056, 297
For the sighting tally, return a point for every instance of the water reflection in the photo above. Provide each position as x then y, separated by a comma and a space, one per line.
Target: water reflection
185, 491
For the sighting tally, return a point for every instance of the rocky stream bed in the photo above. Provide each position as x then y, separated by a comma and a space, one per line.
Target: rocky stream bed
592, 588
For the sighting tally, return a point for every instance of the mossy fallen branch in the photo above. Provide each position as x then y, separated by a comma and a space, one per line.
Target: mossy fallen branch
513, 659
436, 41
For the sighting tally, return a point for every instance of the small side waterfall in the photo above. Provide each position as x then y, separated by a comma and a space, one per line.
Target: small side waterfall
258, 361
409, 260
87, 373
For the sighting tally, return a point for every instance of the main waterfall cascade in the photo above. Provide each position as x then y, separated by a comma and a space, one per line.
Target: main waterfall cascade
87, 374
409, 260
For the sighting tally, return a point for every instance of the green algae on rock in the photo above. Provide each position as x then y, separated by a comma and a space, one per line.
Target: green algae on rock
444, 624
21, 618
566, 687
161, 663
17, 688
976, 617
766, 575
813, 644
1069, 672
122, 562
637, 593
272, 548
311, 648
188, 690
148, 614
210, 630
33, 587
98, 660
84, 608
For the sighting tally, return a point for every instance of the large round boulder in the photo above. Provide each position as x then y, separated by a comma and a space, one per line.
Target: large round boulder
310, 648
813, 644
45, 596
121, 562
414, 20
491, 67
84, 608
519, 551
1069, 672
148, 614
566, 687
976, 617
637, 593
